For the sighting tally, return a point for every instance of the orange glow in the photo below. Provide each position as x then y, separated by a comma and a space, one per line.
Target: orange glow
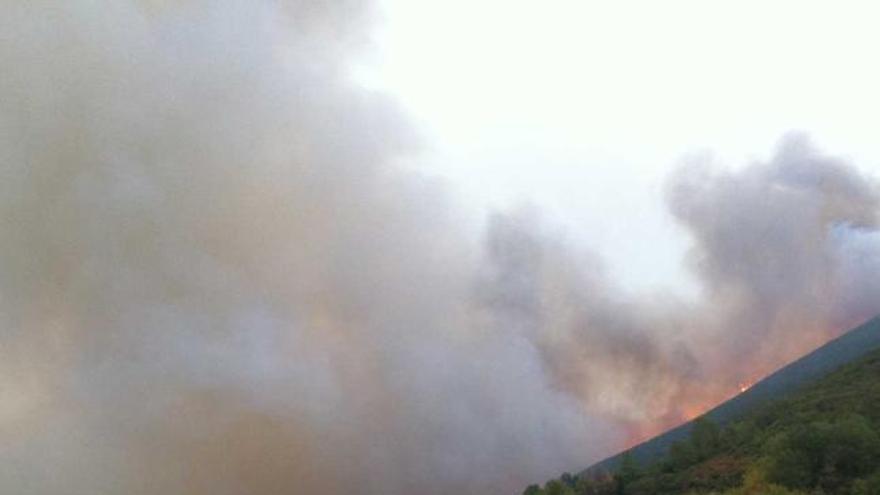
692, 412
694, 402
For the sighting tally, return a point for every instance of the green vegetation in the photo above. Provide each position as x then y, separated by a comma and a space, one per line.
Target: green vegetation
823, 439
848, 348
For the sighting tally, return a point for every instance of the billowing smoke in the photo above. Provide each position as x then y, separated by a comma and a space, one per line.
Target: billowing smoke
215, 279
215, 282
788, 255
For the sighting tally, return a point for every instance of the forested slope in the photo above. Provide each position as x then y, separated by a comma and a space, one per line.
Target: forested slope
822, 436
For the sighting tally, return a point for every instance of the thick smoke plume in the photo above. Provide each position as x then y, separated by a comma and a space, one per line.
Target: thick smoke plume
214, 282
215, 279
788, 255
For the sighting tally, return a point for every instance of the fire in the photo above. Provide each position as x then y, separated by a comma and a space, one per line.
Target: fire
688, 410
691, 412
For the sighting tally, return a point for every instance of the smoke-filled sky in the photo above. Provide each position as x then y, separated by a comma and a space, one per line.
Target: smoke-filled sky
585, 106
234, 262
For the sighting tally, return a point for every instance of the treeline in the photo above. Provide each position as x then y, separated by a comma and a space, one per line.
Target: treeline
822, 440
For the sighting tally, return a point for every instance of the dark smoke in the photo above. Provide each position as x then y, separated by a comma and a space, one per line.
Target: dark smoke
215, 280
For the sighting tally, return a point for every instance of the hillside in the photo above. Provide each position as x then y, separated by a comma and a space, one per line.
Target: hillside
844, 349
831, 394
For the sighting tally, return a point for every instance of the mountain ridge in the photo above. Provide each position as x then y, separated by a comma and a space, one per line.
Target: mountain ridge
846, 348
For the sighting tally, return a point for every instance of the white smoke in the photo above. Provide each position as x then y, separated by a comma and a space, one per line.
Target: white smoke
215, 282
215, 279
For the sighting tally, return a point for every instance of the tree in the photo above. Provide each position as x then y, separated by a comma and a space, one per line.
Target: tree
595, 485
626, 474
705, 437
796, 458
823, 454
681, 455
556, 487
756, 484
532, 490
867, 486
853, 446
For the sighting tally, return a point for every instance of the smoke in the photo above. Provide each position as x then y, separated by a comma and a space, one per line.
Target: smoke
787, 253
769, 243
216, 279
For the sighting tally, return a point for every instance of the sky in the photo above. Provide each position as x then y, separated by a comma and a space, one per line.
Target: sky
287, 246
583, 108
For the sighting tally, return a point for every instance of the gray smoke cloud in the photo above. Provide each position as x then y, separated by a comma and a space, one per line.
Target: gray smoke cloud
215, 279
787, 256
770, 241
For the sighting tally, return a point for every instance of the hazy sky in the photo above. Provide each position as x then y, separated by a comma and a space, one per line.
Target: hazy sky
583, 108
